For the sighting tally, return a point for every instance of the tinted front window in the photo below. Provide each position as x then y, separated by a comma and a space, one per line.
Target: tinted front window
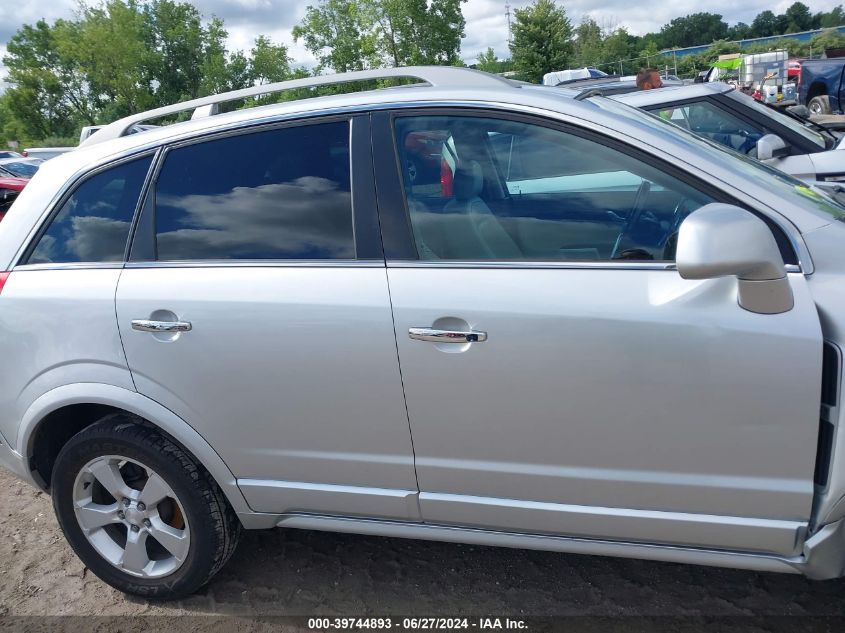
486, 189
93, 224
277, 194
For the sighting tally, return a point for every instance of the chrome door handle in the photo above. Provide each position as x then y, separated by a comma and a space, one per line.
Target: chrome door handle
445, 336
145, 325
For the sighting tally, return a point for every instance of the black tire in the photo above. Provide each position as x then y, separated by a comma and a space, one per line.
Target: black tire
819, 105
215, 528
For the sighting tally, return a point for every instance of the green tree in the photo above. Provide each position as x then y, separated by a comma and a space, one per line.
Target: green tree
488, 62
339, 34
798, 18
542, 40
174, 33
764, 25
835, 17
693, 29
588, 44
48, 94
270, 62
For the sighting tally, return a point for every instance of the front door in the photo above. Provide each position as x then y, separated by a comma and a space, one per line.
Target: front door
561, 377
278, 345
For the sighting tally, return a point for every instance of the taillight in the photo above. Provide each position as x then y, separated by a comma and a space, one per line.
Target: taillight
3, 278
447, 180
24, 153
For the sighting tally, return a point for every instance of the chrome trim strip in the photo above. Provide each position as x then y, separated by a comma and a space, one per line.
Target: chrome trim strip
541, 265
530, 265
71, 266
262, 263
575, 545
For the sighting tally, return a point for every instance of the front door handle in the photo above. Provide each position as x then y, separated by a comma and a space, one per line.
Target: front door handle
145, 325
433, 335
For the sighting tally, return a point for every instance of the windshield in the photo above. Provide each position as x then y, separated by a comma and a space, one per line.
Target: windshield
790, 189
780, 119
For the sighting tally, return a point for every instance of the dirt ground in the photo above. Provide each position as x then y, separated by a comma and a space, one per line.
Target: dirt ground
307, 573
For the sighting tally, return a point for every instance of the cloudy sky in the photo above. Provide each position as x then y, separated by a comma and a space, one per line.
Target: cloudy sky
486, 22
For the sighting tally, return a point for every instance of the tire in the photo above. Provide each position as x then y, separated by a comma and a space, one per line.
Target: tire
192, 518
819, 105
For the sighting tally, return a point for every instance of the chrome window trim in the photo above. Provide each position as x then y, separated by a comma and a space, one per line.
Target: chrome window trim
71, 266
793, 235
261, 263
546, 265
358, 263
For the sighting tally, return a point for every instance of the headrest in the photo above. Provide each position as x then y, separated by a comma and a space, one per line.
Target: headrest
469, 180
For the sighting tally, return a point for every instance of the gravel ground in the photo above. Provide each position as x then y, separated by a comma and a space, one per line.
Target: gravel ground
294, 572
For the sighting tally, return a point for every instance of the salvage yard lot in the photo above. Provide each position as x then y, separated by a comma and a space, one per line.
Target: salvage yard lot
280, 572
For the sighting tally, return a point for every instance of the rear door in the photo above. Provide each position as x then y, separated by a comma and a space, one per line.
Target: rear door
259, 254
561, 377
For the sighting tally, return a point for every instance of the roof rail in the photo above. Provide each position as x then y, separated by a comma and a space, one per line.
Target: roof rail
435, 76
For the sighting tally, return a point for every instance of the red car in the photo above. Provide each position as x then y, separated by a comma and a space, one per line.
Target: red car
9, 190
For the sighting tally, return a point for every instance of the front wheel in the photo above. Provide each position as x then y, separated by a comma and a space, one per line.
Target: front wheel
140, 512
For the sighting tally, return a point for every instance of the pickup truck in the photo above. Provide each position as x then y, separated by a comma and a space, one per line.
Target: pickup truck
51, 152
820, 85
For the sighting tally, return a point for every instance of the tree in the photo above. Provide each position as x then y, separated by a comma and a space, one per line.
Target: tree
339, 34
764, 25
48, 94
588, 44
693, 29
541, 39
488, 62
356, 34
270, 62
798, 18
174, 32
835, 17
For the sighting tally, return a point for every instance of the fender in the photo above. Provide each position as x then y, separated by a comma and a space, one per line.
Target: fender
156, 414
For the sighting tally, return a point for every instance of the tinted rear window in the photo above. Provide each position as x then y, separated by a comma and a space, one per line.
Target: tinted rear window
93, 224
276, 194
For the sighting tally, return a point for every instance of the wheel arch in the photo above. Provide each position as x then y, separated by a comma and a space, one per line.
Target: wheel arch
817, 89
68, 409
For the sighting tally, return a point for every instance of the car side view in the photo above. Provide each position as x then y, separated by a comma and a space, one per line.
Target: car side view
721, 113
466, 309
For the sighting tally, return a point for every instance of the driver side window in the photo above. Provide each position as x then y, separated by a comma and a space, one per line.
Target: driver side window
492, 189
712, 122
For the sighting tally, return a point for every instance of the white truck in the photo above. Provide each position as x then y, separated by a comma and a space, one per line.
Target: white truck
51, 152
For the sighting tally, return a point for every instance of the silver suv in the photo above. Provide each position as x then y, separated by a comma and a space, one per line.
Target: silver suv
465, 310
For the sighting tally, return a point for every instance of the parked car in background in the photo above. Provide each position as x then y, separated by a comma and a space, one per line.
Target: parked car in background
19, 167
721, 113
820, 86
9, 154
9, 190
560, 77
614, 336
45, 153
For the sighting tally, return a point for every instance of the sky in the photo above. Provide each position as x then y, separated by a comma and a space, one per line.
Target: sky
486, 24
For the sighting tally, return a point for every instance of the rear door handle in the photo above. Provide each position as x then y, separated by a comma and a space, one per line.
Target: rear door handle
145, 325
445, 336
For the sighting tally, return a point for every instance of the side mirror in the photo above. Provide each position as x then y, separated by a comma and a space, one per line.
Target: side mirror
718, 240
771, 146
801, 111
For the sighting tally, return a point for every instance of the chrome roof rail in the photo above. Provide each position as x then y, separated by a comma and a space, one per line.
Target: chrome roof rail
435, 76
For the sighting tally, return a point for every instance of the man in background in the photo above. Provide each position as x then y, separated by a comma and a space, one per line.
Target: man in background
649, 78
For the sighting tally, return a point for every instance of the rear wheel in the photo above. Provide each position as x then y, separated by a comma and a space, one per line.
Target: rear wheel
139, 512
819, 105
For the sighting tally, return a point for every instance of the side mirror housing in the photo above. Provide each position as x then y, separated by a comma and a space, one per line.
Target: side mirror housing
771, 146
720, 240
799, 110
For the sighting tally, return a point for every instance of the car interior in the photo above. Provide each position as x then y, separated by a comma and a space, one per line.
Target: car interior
514, 191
